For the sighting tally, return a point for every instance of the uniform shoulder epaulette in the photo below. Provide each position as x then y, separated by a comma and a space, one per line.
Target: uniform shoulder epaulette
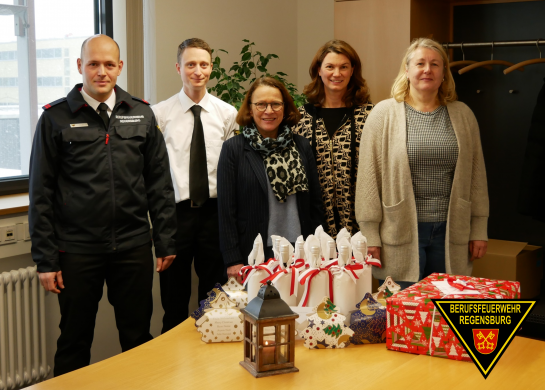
140, 100
49, 105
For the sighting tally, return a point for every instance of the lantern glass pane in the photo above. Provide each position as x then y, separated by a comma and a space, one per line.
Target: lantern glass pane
283, 356
252, 353
252, 333
269, 330
284, 333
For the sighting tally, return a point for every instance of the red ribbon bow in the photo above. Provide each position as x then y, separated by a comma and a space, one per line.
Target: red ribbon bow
247, 270
275, 276
460, 284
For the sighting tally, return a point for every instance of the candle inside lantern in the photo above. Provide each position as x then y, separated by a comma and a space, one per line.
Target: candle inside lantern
269, 350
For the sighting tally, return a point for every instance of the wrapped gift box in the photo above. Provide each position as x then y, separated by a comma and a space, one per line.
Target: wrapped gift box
413, 325
205, 303
236, 292
326, 328
222, 322
369, 322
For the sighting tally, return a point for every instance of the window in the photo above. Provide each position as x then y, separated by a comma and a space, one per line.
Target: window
50, 81
8, 56
8, 82
49, 53
40, 42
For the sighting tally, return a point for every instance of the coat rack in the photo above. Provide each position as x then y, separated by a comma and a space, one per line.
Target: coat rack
511, 67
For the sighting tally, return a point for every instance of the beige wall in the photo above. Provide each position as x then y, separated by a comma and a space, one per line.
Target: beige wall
314, 28
379, 30
291, 29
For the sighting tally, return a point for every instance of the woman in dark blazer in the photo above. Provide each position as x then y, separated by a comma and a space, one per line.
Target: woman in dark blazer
267, 177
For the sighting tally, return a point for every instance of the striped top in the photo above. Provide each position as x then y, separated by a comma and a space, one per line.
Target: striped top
432, 148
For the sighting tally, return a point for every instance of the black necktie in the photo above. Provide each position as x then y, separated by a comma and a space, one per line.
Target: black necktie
198, 171
103, 112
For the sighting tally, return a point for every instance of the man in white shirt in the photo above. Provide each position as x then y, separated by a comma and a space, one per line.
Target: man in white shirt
195, 124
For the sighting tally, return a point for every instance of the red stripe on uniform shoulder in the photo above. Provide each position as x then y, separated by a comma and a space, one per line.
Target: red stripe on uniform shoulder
47, 106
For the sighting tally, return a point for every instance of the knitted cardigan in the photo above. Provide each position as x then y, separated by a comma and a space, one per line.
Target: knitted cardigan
385, 202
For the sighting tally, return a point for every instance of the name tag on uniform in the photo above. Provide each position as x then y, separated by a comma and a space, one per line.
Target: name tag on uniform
79, 125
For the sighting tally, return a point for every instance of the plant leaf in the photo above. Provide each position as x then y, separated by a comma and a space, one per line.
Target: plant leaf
262, 69
244, 49
245, 40
246, 56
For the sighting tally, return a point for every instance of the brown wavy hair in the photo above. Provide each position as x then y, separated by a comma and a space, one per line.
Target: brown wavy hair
357, 92
291, 113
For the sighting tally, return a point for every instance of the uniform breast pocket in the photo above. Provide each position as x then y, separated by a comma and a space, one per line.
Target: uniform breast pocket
132, 136
80, 140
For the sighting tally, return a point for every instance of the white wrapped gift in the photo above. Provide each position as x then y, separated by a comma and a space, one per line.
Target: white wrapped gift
344, 282
236, 292
317, 279
257, 269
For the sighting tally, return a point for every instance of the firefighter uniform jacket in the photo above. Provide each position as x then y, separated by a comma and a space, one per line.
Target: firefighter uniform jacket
91, 187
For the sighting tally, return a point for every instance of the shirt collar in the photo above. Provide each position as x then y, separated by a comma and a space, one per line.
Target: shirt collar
187, 103
110, 102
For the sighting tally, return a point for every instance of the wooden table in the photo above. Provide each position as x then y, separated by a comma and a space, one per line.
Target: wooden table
180, 360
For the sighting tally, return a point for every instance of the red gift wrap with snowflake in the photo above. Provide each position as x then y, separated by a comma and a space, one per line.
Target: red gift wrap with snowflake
413, 324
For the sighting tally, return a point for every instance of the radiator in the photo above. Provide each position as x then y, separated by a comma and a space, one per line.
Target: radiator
22, 329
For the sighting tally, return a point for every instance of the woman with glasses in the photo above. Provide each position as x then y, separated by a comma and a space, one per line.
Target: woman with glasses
333, 122
267, 178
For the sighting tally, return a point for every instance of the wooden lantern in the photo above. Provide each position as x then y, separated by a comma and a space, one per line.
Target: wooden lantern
269, 334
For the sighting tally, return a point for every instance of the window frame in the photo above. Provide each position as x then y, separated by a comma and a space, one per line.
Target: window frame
103, 25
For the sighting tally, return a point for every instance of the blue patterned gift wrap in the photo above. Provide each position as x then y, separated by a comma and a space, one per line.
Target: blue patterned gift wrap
369, 322
205, 303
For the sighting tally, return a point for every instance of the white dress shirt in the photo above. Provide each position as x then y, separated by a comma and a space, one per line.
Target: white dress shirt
110, 102
175, 119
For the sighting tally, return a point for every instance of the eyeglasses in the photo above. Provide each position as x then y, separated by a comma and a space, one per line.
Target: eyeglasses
263, 106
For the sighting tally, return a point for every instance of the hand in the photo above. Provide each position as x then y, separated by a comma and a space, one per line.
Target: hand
477, 249
374, 251
233, 271
51, 281
164, 262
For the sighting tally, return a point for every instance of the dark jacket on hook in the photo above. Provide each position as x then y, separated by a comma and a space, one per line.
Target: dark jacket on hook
532, 185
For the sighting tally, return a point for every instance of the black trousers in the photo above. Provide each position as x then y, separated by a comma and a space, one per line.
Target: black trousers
197, 238
129, 276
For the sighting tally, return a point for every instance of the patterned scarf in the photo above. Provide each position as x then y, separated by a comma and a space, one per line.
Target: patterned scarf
283, 162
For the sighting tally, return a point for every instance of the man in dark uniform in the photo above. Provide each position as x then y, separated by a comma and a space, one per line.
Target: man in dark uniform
98, 166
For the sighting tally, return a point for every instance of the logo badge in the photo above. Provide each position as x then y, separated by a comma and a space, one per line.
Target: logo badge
485, 340
485, 327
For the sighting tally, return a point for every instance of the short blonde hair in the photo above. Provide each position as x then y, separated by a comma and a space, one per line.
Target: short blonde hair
401, 88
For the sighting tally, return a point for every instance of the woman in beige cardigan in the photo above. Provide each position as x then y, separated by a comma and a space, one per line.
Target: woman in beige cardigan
422, 197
